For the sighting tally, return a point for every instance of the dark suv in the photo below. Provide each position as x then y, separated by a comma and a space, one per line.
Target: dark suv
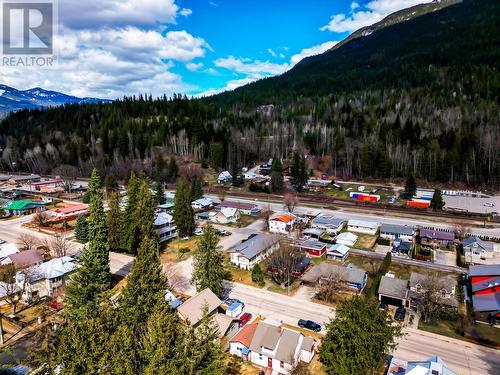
309, 324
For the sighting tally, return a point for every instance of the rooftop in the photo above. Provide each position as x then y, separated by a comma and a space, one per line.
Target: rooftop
246, 334
328, 221
311, 245
362, 224
192, 309
53, 268
238, 205
486, 302
486, 284
255, 245
339, 248
26, 258
396, 229
324, 270
484, 270
283, 217
72, 208
488, 246
437, 234
163, 218
393, 287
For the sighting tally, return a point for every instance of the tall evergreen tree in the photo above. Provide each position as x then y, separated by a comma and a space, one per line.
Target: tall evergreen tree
209, 266
298, 172
114, 221
159, 193
93, 276
196, 189
410, 186
81, 229
128, 223
277, 176
437, 202
359, 327
183, 212
173, 169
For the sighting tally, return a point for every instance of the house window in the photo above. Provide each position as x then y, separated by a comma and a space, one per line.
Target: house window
418, 288
282, 364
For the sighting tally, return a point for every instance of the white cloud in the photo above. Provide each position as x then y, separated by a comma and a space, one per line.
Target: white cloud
185, 12
315, 50
271, 52
249, 66
194, 66
374, 11
183, 46
85, 14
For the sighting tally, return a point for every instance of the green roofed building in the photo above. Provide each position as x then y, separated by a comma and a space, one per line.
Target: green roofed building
24, 207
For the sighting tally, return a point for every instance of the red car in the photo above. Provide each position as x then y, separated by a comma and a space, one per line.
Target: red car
245, 318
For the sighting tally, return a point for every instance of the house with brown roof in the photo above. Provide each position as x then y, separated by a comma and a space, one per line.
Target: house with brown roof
274, 348
24, 259
192, 310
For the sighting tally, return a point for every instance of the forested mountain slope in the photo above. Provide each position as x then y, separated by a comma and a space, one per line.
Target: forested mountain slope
420, 96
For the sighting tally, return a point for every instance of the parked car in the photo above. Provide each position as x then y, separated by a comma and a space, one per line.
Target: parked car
383, 306
230, 301
489, 204
245, 318
309, 324
2, 242
400, 314
223, 232
198, 232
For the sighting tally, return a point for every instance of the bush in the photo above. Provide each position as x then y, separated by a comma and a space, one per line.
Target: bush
257, 274
259, 189
384, 241
184, 250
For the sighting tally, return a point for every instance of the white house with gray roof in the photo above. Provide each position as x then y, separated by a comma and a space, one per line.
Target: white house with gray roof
279, 349
392, 231
362, 226
250, 252
328, 223
476, 249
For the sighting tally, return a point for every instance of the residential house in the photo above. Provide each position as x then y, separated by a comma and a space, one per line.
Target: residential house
226, 215
24, 179
301, 266
24, 207
476, 249
166, 207
351, 277
7, 249
202, 204
224, 177
436, 238
485, 290
249, 175
392, 232
165, 227
282, 223
338, 252
249, 253
361, 226
318, 185
245, 208
310, 215
277, 349
346, 238
23, 259
312, 233
426, 194
448, 285
313, 248
47, 278
393, 291
72, 210
431, 366
192, 311
328, 223
400, 247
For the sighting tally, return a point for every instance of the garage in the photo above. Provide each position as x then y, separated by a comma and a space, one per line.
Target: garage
393, 291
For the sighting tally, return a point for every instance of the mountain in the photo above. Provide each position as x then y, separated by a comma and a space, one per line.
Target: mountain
421, 47
416, 95
12, 99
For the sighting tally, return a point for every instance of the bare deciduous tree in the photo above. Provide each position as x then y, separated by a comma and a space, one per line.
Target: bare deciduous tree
68, 175
429, 295
282, 262
28, 241
14, 283
40, 218
291, 201
330, 285
460, 229
58, 246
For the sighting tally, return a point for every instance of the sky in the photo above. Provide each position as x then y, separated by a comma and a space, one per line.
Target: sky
115, 48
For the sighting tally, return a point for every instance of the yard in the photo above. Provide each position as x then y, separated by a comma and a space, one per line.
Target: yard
365, 242
243, 276
385, 193
245, 221
178, 249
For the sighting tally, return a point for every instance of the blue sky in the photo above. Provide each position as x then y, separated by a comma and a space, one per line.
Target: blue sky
112, 48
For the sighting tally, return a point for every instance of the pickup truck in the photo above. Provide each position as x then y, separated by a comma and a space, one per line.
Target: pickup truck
309, 324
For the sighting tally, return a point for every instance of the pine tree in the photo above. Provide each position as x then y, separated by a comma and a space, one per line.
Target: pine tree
277, 176
410, 186
359, 327
146, 285
110, 184
196, 189
257, 274
159, 193
298, 172
209, 266
183, 212
114, 221
173, 169
128, 223
81, 229
437, 202
93, 276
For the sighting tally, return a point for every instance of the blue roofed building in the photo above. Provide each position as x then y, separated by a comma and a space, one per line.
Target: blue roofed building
432, 366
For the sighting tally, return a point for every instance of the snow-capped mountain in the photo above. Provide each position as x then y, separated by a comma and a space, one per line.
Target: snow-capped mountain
12, 99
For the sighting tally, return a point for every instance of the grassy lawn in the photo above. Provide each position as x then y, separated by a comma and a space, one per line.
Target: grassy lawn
364, 263
316, 366
242, 276
365, 242
318, 260
286, 291
245, 221
171, 251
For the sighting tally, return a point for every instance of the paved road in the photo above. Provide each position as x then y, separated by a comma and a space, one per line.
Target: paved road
437, 222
